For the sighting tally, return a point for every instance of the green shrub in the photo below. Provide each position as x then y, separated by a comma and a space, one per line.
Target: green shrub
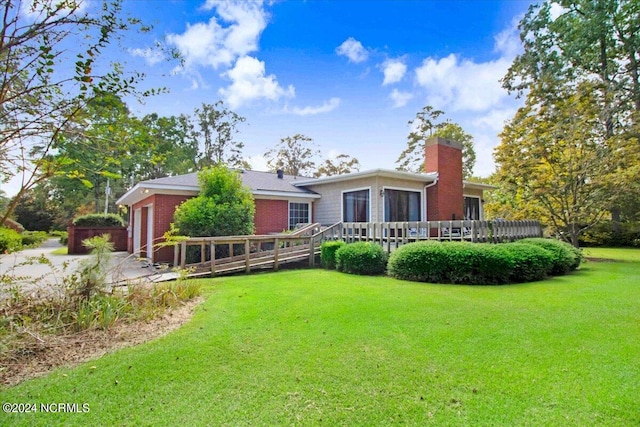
63, 236
530, 262
451, 262
361, 258
224, 207
566, 258
99, 220
328, 253
34, 238
92, 271
420, 262
10, 240
603, 234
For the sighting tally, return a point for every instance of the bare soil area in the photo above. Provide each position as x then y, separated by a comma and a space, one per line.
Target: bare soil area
50, 352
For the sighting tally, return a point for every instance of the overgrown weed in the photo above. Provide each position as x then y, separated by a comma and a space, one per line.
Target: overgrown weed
78, 300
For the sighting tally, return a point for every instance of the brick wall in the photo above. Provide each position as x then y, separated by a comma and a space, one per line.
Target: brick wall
117, 235
164, 208
445, 199
271, 216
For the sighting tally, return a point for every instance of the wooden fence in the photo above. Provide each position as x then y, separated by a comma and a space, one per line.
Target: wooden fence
229, 254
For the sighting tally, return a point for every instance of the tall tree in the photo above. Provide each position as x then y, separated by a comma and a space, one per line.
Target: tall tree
295, 155
172, 146
423, 127
340, 165
551, 161
428, 124
596, 42
217, 129
40, 93
34, 211
103, 147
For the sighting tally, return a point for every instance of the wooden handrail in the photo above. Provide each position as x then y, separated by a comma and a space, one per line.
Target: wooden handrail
259, 251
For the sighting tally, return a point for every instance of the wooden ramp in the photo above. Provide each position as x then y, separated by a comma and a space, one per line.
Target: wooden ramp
211, 256
250, 253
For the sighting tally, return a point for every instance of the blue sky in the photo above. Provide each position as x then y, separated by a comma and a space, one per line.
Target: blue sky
350, 74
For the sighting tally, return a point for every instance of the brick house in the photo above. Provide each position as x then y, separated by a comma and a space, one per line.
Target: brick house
282, 201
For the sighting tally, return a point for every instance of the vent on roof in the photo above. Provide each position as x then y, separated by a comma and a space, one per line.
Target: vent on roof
280, 173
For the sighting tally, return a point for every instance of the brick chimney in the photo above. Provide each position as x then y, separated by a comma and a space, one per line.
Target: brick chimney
445, 199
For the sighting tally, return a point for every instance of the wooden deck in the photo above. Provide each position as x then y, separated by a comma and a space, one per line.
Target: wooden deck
233, 254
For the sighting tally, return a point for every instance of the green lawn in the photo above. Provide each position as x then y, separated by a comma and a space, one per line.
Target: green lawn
313, 347
619, 254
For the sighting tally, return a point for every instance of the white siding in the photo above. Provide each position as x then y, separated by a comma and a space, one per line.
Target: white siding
327, 210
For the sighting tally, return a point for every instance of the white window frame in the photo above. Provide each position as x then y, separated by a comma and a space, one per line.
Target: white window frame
422, 205
299, 203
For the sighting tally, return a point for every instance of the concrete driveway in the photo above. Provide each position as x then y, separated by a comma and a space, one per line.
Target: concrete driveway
30, 275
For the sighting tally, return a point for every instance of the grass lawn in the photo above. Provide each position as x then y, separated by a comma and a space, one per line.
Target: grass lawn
63, 250
314, 347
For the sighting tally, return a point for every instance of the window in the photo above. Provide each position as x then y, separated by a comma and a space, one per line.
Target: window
401, 205
472, 208
355, 206
298, 214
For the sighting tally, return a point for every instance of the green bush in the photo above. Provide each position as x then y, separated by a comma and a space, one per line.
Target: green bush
99, 220
530, 262
420, 262
328, 253
10, 240
63, 236
566, 258
224, 207
603, 234
365, 258
34, 238
451, 262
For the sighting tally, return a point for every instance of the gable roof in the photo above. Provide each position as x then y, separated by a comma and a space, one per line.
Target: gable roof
260, 184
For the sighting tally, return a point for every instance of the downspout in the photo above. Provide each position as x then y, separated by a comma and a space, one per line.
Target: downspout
425, 195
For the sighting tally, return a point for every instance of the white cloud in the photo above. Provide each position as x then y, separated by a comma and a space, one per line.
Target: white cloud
249, 83
221, 41
151, 56
507, 42
353, 49
461, 84
556, 11
400, 99
326, 107
495, 119
394, 70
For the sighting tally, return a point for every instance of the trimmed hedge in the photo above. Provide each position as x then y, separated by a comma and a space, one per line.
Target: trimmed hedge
99, 220
366, 258
482, 263
328, 253
451, 262
10, 240
566, 258
530, 262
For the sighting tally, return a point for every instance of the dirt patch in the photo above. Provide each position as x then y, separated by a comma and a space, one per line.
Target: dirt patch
50, 352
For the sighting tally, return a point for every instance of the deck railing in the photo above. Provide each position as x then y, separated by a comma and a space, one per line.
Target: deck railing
391, 235
228, 254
